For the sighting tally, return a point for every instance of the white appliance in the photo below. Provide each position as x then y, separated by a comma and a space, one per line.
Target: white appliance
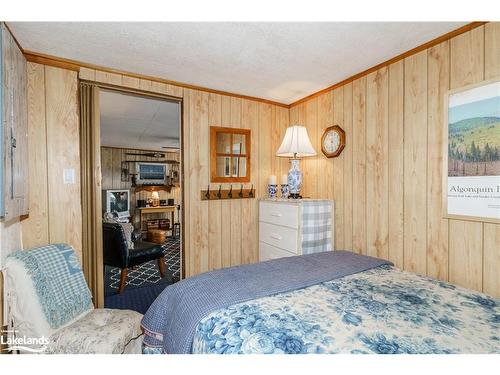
117, 201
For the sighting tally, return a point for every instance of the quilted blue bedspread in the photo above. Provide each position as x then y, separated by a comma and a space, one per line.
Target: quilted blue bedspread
382, 310
171, 321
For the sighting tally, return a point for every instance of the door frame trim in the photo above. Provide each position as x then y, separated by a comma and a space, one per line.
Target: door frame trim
168, 98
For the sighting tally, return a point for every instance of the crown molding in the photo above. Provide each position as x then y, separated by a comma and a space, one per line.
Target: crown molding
59, 62
402, 56
75, 65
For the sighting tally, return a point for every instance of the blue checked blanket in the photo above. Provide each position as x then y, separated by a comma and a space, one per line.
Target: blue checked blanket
58, 281
316, 225
171, 321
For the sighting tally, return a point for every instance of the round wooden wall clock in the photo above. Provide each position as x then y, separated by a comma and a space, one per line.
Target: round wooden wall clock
333, 141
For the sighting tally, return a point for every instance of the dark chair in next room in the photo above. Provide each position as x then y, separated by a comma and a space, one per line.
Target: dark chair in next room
116, 252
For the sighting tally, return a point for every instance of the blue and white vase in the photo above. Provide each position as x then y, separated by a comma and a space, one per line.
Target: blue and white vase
285, 191
295, 178
272, 191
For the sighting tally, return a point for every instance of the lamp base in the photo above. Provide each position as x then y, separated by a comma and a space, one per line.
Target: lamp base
294, 179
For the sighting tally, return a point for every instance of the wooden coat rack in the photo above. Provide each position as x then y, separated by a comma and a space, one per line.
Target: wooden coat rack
227, 193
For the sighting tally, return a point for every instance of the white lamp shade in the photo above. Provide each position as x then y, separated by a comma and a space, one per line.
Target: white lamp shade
296, 143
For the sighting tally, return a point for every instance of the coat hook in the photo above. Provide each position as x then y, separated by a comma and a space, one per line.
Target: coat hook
207, 194
240, 194
250, 195
230, 194
219, 195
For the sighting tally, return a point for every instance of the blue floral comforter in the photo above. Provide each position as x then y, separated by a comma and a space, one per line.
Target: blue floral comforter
382, 310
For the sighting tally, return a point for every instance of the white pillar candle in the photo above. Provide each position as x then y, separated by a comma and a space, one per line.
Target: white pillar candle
284, 179
272, 180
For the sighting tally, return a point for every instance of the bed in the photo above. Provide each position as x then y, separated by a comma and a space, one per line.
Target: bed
368, 306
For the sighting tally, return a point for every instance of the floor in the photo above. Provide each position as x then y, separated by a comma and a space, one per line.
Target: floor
144, 283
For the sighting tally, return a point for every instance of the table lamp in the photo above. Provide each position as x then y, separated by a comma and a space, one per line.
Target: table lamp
295, 145
155, 198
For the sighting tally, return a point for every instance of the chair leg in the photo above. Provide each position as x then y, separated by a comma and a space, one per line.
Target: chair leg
161, 266
123, 280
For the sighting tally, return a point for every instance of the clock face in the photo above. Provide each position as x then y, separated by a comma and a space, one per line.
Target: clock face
331, 142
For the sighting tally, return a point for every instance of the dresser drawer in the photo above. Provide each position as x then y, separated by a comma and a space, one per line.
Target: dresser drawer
268, 252
279, 213
283, 237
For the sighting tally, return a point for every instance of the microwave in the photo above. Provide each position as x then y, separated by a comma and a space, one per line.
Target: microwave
150, 173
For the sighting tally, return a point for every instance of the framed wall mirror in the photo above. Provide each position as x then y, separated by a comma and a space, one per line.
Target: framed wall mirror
229, 154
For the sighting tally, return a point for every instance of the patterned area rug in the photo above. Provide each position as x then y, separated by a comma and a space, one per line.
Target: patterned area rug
147, 273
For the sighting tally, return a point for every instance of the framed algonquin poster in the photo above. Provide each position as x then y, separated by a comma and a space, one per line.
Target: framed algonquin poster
471, 175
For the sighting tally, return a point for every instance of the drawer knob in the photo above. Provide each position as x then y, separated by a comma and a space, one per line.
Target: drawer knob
276, 214
276, 237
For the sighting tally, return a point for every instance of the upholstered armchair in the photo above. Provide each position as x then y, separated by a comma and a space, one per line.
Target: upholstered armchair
49, 307
118, 252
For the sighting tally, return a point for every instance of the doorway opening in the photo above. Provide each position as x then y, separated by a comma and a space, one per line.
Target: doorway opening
142, 198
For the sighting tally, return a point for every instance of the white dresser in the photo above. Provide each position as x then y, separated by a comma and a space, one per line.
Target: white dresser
294, 227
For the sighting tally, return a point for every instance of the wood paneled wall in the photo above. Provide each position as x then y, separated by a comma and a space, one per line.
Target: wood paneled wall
111, 168
217, 234
387, 184
54, 145
224, 233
